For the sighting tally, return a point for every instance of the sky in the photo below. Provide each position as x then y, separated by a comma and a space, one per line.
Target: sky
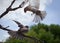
50, 6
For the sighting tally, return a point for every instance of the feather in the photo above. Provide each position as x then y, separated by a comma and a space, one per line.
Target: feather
37, 19
43, 13
34, 3
14, 34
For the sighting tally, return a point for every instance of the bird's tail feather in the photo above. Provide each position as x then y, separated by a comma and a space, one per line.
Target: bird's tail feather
37, 18
43, 14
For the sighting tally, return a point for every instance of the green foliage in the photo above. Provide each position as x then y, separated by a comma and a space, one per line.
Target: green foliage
55, 29
46, 33
13, 40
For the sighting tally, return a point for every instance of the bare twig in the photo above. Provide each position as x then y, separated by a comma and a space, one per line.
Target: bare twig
33, 38
10, 9
4, 28
7, 10
12, 3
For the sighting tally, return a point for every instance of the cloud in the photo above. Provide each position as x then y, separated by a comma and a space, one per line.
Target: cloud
44, 3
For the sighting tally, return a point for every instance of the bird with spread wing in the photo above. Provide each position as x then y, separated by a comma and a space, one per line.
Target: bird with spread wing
16, 34
22, 28
33, 6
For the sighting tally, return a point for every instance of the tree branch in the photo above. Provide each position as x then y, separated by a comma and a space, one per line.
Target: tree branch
4, 28
7, 10
35, 39
11, 9
12, 3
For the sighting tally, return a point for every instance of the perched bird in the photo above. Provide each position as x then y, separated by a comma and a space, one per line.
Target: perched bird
33, 6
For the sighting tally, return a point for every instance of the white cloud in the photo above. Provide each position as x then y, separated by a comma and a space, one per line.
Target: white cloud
44, 3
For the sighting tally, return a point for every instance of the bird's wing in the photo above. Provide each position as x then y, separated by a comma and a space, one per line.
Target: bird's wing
34, 3
19, 24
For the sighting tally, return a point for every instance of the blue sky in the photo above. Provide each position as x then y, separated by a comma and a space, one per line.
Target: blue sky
53, 10
51, 7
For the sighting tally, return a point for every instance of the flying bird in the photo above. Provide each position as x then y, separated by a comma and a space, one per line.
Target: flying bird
16, 34
33, 6
22, 28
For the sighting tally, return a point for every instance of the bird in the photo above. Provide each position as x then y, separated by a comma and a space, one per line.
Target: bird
22, 28
19, 34
33, 6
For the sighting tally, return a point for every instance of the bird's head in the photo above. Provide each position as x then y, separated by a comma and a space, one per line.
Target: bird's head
25, 10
